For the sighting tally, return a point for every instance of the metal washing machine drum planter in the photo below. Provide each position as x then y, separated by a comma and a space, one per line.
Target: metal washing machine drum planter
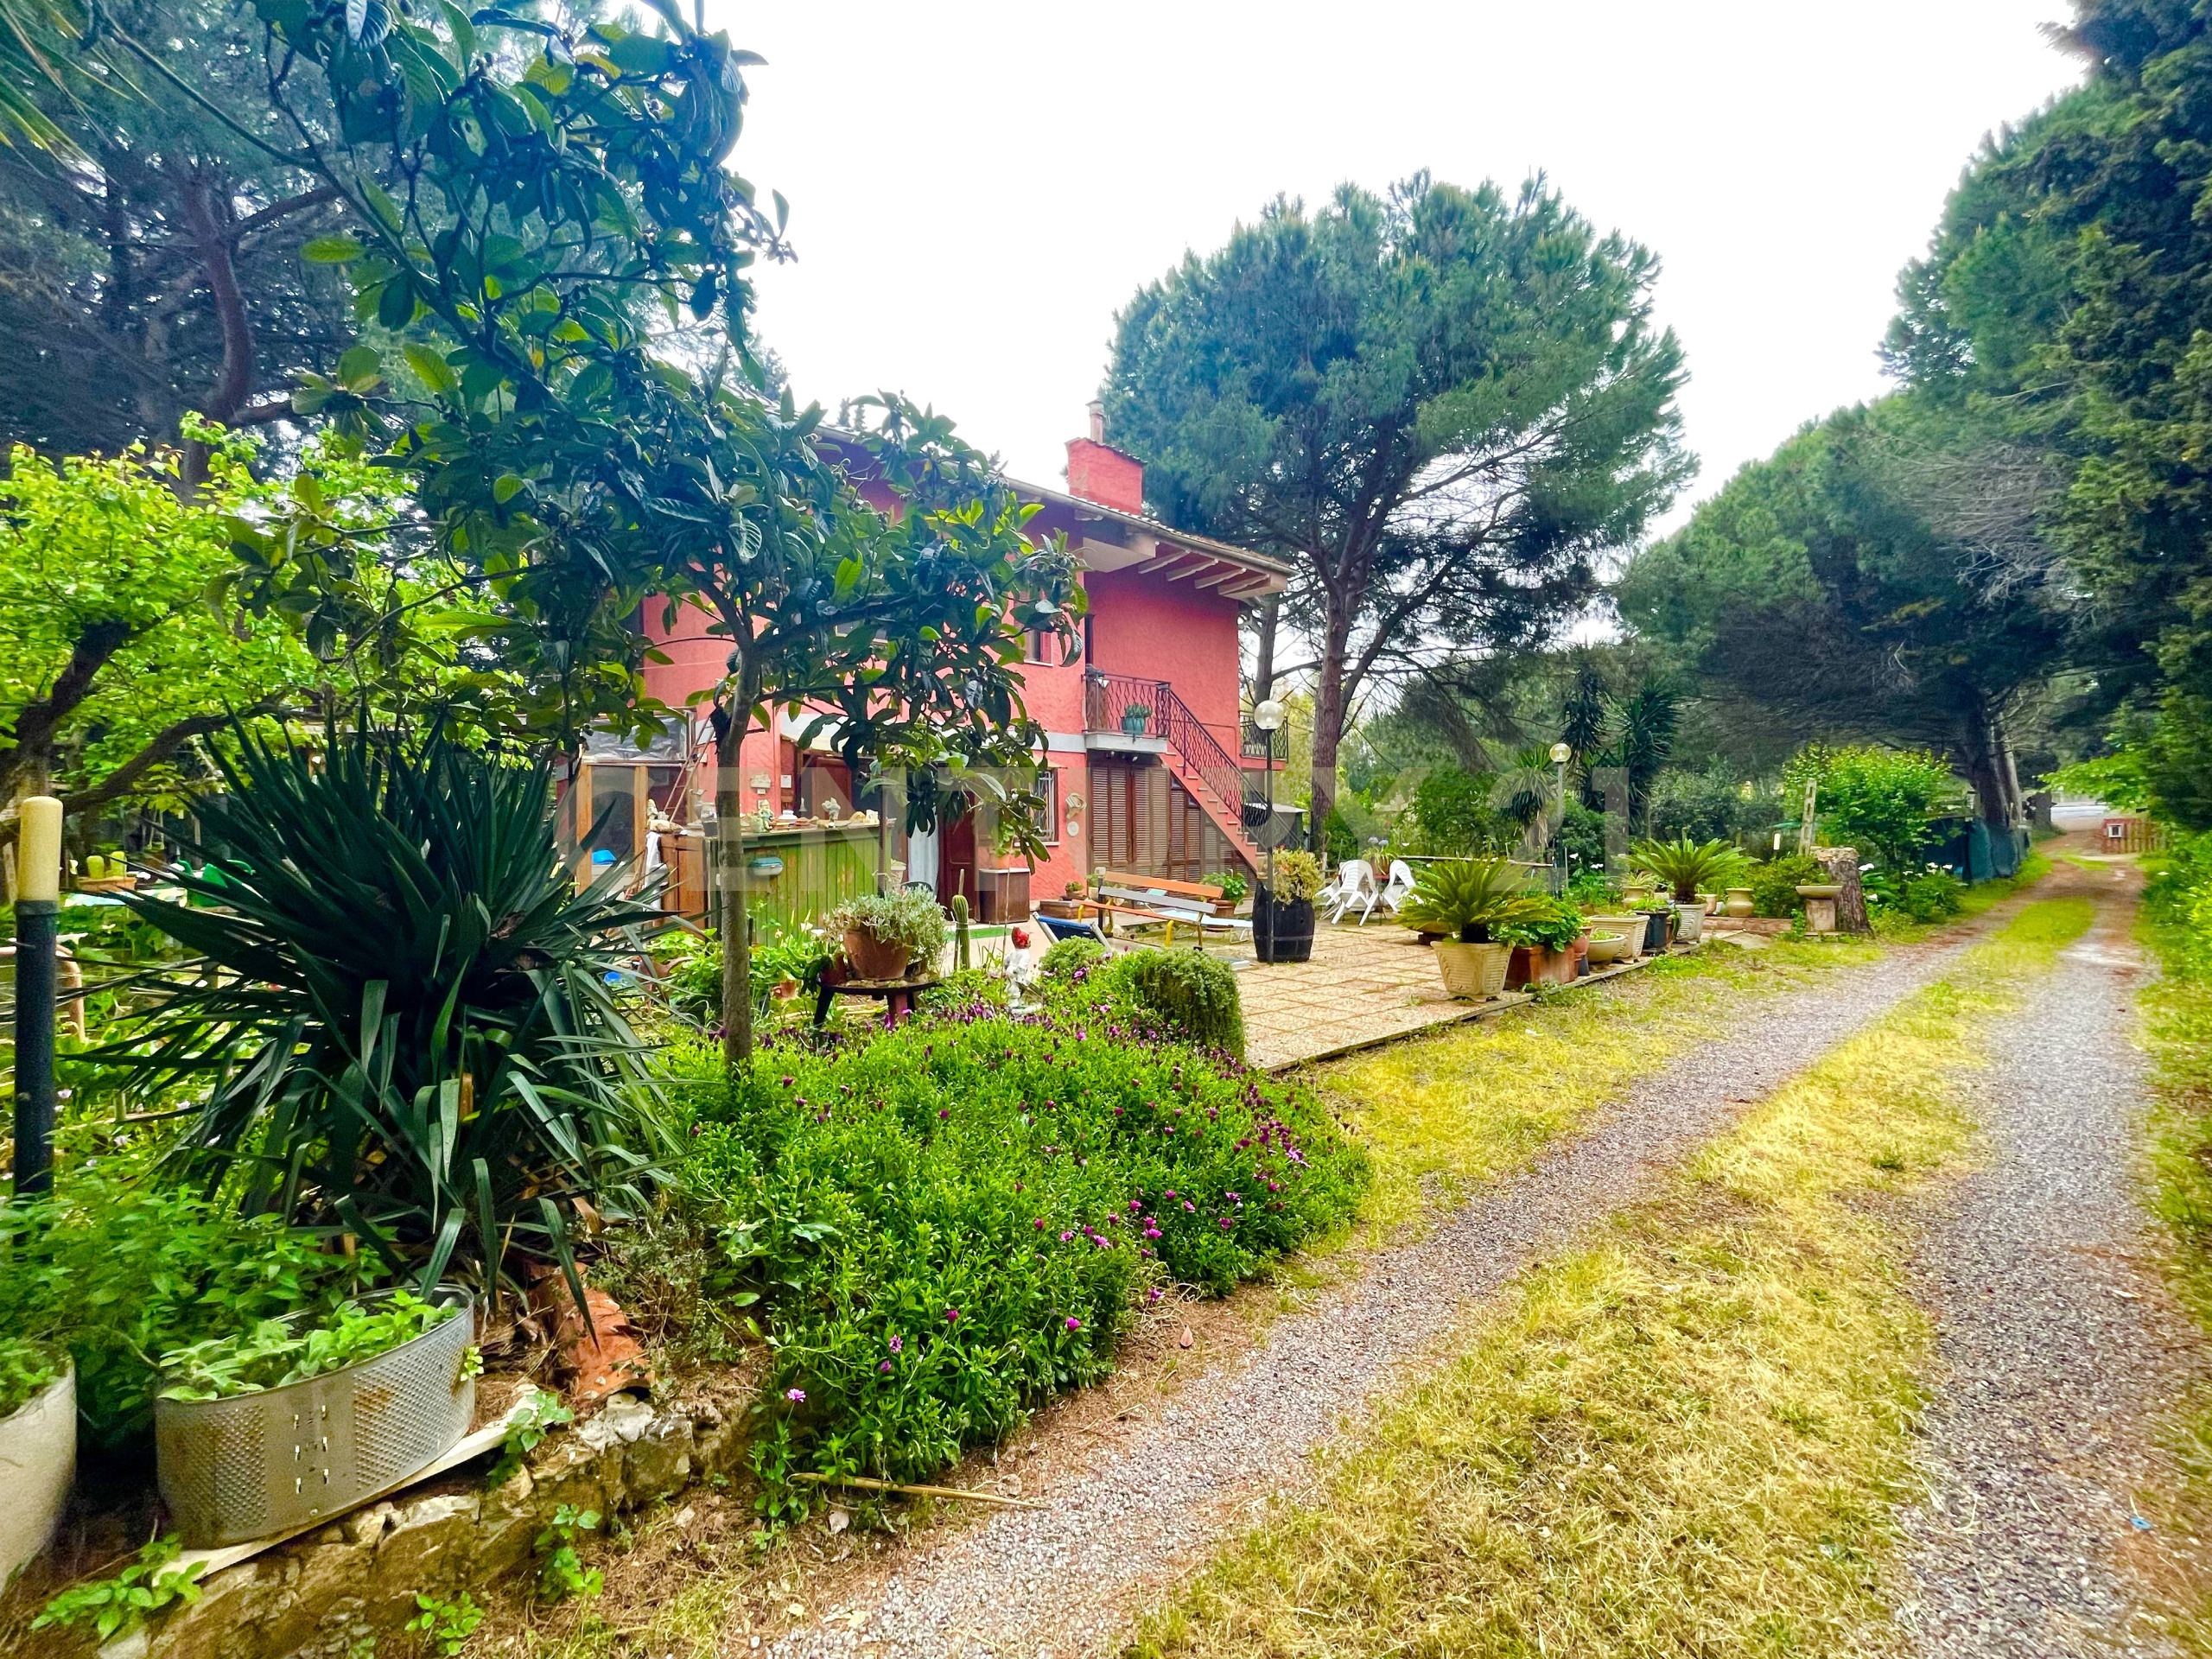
243, 1467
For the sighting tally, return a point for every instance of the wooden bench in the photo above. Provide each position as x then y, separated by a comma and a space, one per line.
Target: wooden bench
1156, 898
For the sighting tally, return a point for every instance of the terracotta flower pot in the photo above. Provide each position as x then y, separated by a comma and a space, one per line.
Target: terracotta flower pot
1476, 970
872, 958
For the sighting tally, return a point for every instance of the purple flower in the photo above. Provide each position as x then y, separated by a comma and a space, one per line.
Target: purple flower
1073, 1323
786, 1082
797, 1396
1039, 1223
1155, 1294
1065, 1236
952, 1316
945, 1112
898, 1343
885, 1366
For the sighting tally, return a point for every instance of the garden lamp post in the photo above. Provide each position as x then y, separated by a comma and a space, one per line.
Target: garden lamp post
38, 905
1268, 717
1560, 755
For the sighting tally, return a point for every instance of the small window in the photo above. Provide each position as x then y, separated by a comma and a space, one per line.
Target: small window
1043, 648
1048, 786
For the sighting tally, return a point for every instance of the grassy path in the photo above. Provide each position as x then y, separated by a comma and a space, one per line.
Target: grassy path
1690, 1435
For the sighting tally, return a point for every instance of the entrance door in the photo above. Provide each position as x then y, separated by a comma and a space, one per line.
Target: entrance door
956, 861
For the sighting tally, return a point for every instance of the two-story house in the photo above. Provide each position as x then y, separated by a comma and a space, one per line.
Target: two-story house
1143, 767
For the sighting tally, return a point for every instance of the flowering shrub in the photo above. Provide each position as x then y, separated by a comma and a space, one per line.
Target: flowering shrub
950, 1223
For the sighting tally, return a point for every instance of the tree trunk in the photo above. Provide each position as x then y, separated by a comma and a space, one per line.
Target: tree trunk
234, 381
730, 876
1841, 864
1328, 725
1267, 619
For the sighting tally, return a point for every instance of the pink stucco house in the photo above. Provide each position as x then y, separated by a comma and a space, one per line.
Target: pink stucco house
1144, 754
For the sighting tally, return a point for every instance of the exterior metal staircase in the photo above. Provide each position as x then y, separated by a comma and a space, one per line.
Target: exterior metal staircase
1194, 756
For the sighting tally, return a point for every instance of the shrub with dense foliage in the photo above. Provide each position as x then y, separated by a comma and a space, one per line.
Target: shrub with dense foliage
1067, 957
117, 1274
1188, 990
1554, 924
1877, 800
1774, 883
949, 1223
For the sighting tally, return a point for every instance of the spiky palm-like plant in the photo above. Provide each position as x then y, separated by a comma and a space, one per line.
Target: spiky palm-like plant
1687, 865
1464, 899
402, 1022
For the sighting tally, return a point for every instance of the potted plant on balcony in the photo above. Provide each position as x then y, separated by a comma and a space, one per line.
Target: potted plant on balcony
299, 1419
1543, 944
38, 1447
886, 933
1283, 917
1134, 716
1462, 901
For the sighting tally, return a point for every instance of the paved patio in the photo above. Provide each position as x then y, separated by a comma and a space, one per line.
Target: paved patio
1364, 985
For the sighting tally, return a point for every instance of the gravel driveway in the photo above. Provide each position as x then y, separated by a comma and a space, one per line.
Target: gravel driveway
2057, 1341
1061, 1582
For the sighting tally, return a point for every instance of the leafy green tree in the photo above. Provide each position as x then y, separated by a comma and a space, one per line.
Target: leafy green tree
521, 222
1862, 583
1877, 800
1443, 406
2065, 294
111, 661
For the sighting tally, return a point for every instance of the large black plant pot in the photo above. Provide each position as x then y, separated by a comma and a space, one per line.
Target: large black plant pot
1282, 929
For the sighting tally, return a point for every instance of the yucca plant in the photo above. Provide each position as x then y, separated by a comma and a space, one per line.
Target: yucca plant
1464, 899
1685, 866
402, 1020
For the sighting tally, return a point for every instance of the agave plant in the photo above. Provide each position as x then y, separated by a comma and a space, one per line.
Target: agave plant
1464, 899
1686, 867
401, 1021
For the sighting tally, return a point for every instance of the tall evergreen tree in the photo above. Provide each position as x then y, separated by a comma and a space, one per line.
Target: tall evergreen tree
2068, 294
1876, 578
1443, 406
149, 262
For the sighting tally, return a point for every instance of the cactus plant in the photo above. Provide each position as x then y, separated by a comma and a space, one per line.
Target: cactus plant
960, 932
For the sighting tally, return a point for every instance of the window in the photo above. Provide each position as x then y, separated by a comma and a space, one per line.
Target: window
1048, 786
1043, 647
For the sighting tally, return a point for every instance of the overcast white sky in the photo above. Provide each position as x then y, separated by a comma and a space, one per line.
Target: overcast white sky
976, 187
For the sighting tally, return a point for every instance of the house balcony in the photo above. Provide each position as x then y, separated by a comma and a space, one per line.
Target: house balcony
1125, 716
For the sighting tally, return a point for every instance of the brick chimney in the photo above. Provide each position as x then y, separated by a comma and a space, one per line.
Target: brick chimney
1099, 471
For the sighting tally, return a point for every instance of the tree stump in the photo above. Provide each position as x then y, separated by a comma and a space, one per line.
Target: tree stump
1841, 864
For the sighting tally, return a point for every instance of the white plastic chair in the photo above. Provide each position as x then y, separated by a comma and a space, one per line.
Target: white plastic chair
1355, 884
1395, 890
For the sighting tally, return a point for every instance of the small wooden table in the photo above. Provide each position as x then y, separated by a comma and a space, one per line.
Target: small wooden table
897, 996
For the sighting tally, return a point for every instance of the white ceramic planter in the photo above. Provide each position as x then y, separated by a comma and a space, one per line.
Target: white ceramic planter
1689, 923
1476, 970
38, 1464
1606, 949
